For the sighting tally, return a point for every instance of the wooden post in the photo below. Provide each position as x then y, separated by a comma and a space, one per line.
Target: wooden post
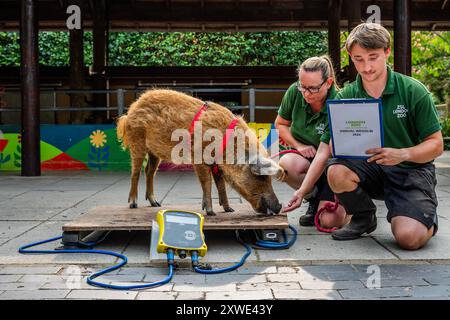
77, 69
402, 36
29, 74
354, 19
100, 58
334, 35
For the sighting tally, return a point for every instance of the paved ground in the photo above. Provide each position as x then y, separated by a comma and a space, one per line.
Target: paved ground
316, 267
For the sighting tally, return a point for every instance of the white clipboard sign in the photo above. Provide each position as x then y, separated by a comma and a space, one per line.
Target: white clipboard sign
356, 125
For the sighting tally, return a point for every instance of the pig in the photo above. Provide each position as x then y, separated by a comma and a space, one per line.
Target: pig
147, 129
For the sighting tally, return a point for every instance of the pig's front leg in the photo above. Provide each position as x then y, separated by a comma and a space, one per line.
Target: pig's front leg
204, 176
222, 190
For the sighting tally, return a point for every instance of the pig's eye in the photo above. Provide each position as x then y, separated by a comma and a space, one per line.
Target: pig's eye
262, 178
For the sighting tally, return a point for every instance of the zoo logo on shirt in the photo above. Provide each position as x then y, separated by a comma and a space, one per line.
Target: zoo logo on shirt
400, 112
320, 128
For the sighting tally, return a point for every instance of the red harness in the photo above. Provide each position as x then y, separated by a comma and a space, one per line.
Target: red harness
226, 138
196, 117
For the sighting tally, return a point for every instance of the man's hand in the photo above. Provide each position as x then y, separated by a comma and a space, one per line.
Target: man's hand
294, 203
306, 151
387, 156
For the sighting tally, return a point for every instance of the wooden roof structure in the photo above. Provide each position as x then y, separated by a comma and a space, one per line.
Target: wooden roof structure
221, 15
103, 16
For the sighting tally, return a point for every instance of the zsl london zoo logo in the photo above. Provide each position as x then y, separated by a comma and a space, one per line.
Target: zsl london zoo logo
401, 111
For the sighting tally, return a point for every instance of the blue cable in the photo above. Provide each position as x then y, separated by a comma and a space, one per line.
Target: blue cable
282, 245
194, 258
170, 259
104, 271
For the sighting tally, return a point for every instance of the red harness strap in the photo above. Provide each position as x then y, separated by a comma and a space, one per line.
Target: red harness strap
197, 116
228, 132
226, 138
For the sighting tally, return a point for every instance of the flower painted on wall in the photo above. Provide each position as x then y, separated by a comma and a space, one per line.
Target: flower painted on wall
98, 138
98, 156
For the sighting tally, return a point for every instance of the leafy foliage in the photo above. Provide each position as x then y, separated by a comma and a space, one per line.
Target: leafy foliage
431, 62
177, 49
214, 49
430, 51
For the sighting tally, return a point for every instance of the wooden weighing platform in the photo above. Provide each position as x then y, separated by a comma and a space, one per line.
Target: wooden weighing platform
121, 217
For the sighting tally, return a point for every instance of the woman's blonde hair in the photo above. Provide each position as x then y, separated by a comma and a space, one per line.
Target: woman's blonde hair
322, 64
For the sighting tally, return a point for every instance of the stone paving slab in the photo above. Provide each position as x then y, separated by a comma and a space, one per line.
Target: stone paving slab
435, 249
307, 294
311, 244
35, 208
13, 212
34, 295
102, 295
306, 282
240, 295
9, 252
161, 296
319, 247
51, 199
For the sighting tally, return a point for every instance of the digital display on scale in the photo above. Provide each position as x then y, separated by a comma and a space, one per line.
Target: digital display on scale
181, 219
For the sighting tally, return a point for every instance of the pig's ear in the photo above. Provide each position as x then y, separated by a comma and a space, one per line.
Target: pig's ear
265, 167
281, 174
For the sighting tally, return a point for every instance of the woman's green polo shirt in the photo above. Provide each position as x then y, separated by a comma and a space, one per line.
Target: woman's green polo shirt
307, 127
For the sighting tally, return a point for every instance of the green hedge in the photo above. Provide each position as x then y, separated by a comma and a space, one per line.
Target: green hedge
177, 49
430, 51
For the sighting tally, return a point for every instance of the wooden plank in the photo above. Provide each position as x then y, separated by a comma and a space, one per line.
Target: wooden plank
119, 217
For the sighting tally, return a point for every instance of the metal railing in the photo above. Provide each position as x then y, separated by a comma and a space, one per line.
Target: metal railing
120, 96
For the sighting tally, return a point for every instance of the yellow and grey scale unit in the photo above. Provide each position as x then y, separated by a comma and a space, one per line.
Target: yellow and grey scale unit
181, 231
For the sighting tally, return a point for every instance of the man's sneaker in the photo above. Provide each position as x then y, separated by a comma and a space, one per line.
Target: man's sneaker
307, 220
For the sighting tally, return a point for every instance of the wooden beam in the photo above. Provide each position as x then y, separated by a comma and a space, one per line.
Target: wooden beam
247, 15
76, 47
334, 34
99, 57
354, 19
29, 70
402, 36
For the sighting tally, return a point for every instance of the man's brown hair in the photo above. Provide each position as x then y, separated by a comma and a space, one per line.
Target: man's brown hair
369, 36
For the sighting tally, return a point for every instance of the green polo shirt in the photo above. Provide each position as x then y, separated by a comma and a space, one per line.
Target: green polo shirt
408, 110
307, 127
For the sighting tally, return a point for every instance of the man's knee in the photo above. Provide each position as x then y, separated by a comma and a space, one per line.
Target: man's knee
341, 179
412, 237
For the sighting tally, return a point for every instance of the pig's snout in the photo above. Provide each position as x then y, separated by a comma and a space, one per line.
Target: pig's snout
269, 206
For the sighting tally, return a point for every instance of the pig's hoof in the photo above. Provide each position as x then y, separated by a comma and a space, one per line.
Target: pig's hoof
155, 203
210, 213
133, 205
228, 209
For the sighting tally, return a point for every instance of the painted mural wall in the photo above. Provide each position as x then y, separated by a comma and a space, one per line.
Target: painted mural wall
89, 147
